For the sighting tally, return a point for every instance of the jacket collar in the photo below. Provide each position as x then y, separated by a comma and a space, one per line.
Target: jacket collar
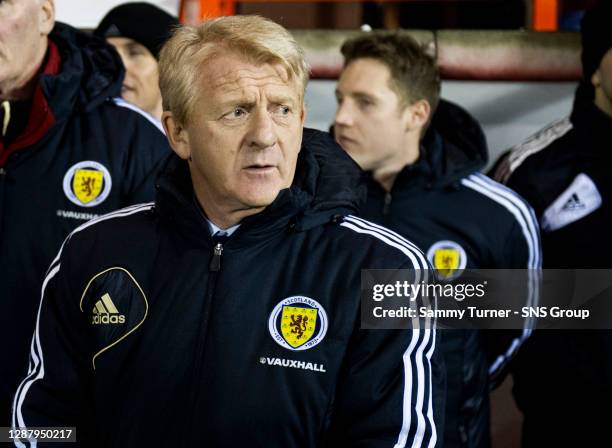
40, 117
91, 72
327, 183
453, 147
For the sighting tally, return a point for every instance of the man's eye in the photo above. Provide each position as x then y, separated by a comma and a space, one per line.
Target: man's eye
238, 112
135, 51
283, 110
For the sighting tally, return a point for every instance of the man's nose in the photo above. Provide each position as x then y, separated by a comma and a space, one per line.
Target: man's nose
127, 63
262, 132
344, 117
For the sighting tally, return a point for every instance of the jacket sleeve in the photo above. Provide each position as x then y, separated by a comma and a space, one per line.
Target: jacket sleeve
53, 393
147, 152
388, 390
522, 250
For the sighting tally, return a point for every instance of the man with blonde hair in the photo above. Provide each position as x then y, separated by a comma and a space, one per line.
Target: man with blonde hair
227, 312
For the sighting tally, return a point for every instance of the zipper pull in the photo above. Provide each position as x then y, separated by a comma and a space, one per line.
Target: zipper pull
215, 262
387, 203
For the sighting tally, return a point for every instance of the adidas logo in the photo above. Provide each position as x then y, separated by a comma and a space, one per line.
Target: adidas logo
573, 203
105, 312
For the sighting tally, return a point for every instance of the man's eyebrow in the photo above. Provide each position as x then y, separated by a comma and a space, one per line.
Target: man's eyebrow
282, 99
364, 95
237, 101
357, 94
133, 45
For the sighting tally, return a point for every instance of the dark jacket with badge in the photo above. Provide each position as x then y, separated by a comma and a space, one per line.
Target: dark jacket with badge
77, 154
563, 379
152, 333
462, 220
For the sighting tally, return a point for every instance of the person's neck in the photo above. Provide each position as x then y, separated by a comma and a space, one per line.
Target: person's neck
386, 174
222, 216
21, 88
157, 112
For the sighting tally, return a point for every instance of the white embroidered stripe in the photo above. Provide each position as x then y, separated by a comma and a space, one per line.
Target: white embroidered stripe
501, 360
538, 142
407, 396
526, 211
422, 383
410, 401
362, 223
517, 208
512, 195
434, 434
122, 212
384, 235
122, 103
93, 221
37, 371
526, 220
404, 249
23, 388
531, 220
384, 229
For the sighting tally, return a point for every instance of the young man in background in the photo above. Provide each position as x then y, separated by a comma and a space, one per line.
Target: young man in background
423, 183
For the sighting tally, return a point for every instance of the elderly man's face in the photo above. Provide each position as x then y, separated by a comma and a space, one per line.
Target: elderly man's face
244, 134
24, 26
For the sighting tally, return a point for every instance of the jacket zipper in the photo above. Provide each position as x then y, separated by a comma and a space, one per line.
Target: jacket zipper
387, 205
215, 262
214, 267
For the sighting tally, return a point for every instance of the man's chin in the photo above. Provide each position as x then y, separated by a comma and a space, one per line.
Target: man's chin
260, 200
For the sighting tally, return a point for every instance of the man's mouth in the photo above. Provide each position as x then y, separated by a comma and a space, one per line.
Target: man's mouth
259, 168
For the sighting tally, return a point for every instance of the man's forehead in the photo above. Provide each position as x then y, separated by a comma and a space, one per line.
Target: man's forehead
366, 71
225, 74
365, 76
37, 2
122, 41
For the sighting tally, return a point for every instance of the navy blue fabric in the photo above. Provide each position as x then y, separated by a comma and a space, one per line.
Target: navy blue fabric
35, 213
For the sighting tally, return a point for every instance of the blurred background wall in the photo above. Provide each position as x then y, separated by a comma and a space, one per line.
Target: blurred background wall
88, 13
509, 109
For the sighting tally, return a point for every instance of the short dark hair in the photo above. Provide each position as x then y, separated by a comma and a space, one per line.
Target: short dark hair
414, 72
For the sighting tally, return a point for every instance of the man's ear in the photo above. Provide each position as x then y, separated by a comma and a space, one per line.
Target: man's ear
417, 115
177, 136
303, 115
596, 79
47, 17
